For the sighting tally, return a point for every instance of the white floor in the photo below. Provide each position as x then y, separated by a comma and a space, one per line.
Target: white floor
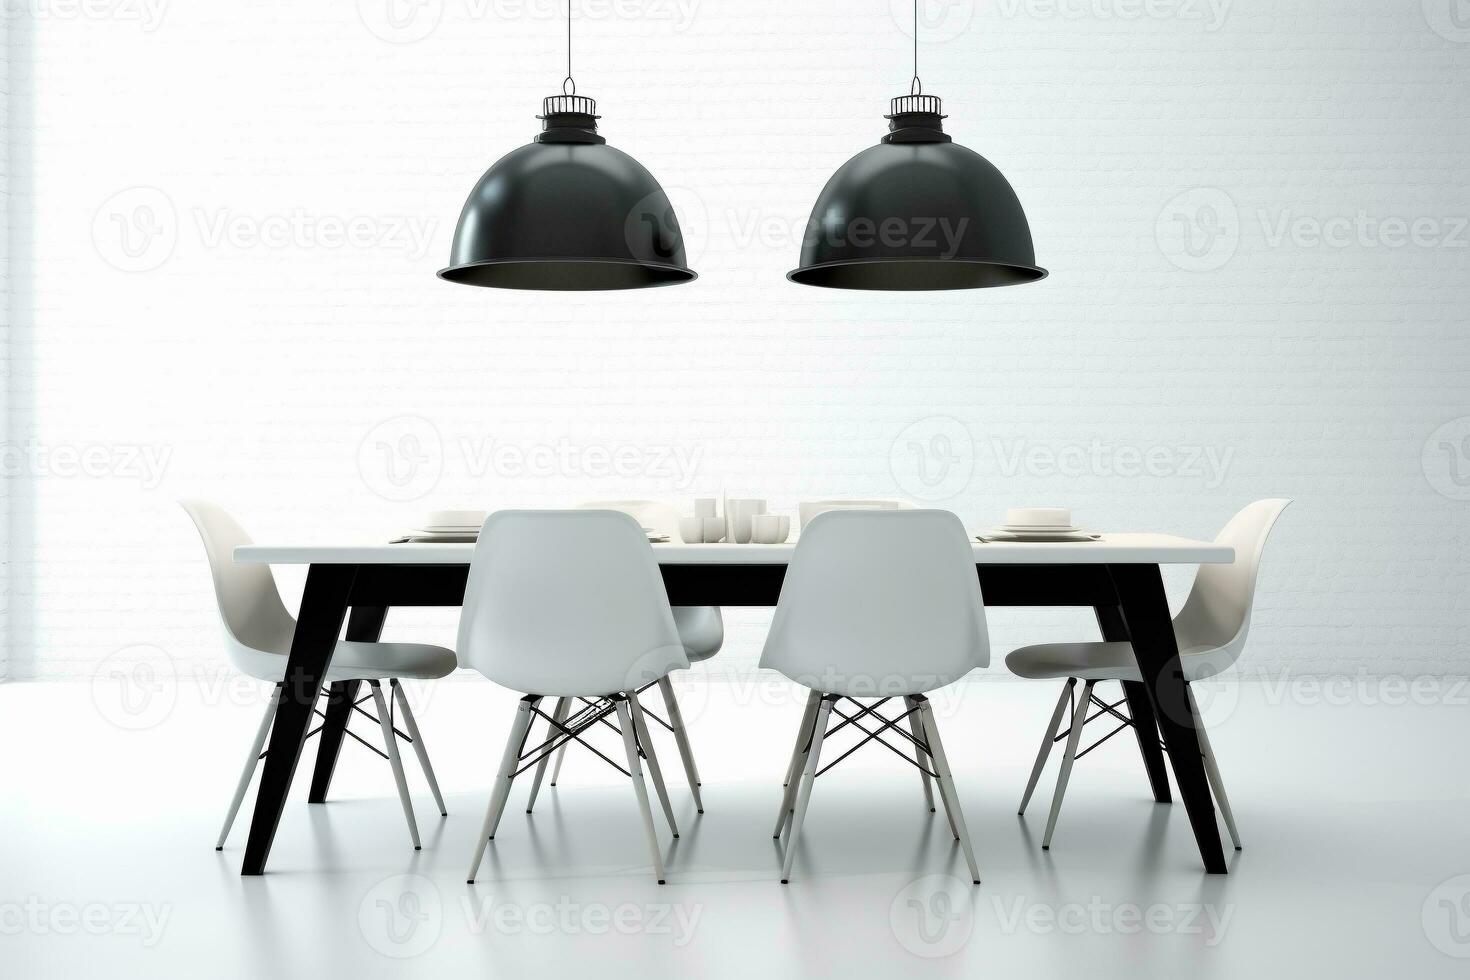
1355, 814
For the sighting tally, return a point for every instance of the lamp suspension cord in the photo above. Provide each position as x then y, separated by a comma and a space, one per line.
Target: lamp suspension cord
570, 82
916, 87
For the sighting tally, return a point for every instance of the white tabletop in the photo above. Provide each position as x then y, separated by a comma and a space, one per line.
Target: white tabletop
1111, 549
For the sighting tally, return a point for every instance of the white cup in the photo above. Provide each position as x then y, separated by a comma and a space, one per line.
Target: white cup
738, 514
704, 507
691, 529
769, 528
714, 529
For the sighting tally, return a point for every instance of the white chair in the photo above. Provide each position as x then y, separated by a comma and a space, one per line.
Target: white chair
808, 509
701, 630
258, 632
570, 604
877, 605
1210, 631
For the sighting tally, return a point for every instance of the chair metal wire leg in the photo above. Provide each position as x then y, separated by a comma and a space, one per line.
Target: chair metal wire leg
419, 748
503, 779
681, 737
249, 770
640, 728
1079, 719
947, 789
1212, 771
798, 760
916, 726
1046, 743
559, 715
391, 744
809, 776
635, 769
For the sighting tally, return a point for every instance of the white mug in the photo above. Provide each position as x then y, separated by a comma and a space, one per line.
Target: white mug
714, 528
704, 507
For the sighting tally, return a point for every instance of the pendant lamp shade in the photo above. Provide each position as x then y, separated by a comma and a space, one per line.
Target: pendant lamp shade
917, 212
567, 212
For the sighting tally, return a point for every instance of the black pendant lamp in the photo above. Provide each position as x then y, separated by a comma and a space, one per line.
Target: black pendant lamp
917, 212
567, 212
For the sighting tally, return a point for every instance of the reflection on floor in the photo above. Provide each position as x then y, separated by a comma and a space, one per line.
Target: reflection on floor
1355, 813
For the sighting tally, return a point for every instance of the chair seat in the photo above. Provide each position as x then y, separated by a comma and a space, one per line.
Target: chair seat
356, 661
377, 661
701, 630
1100, 662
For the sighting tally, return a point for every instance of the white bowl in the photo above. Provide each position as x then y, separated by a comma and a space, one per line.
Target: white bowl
769, 528
456, 518
1039, 517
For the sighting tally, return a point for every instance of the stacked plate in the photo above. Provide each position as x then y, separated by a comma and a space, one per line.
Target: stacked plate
1039, 524
449, 526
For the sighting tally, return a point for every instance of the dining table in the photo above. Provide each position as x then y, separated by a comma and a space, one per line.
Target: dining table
1117, 575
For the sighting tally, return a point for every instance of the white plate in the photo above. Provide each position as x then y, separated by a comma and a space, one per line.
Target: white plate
999, 534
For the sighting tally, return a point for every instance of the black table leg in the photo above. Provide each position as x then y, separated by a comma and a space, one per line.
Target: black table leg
1110, 621
365, 624
323, 608
1146, 614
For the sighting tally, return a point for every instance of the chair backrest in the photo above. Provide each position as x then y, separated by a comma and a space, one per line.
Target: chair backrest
808, 509
1216, 617
652, 514
567, 603
879, 603
250, 607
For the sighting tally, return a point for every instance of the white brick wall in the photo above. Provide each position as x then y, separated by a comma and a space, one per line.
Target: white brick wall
257, 371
